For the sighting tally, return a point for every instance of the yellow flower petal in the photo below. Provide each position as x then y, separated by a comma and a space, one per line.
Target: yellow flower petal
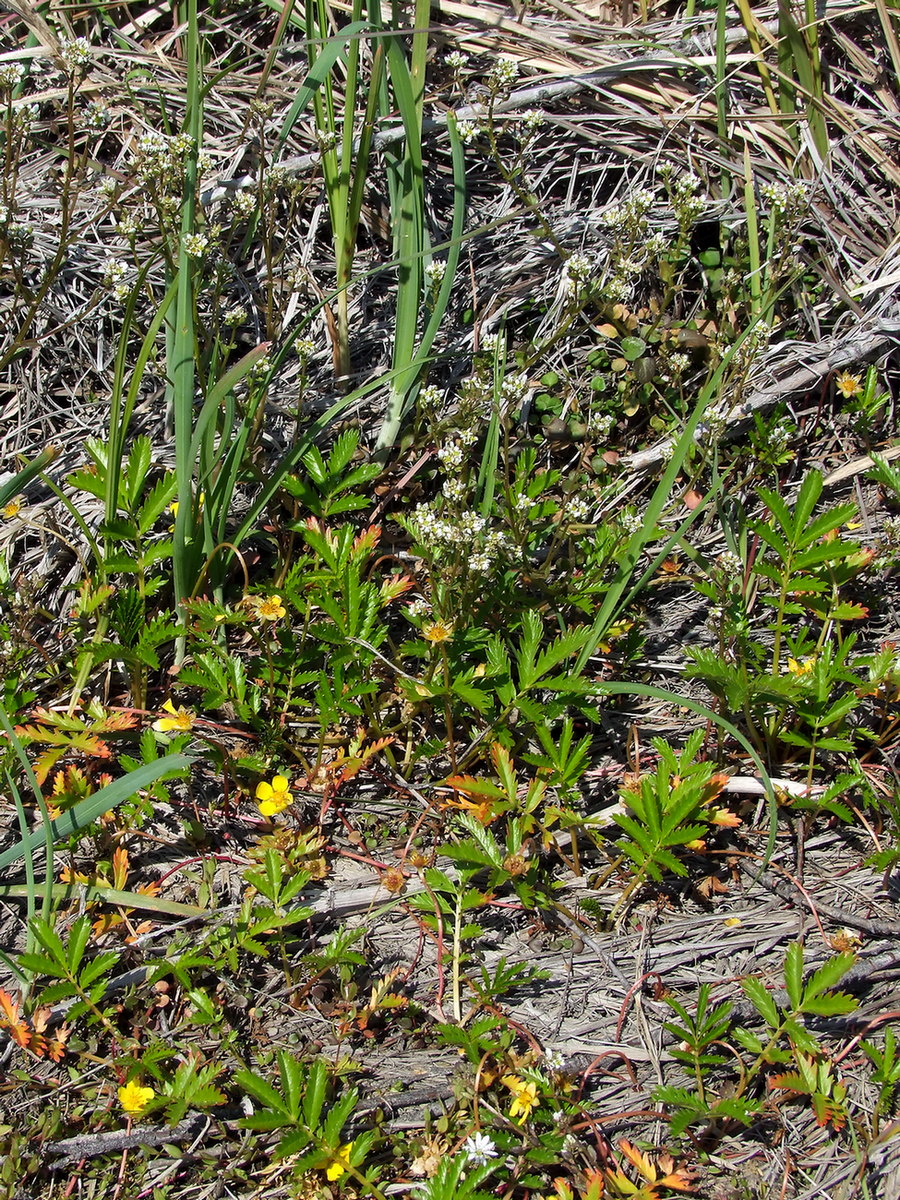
134, 1098
340, 1164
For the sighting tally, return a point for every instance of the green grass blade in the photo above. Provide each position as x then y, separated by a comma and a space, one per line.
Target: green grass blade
84, 814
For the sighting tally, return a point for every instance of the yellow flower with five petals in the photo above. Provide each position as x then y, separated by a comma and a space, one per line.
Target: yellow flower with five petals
274, 797
134, 1098
180, 720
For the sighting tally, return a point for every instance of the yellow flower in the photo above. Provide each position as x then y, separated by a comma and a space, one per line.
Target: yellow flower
12, 508
270, 609
173, 508
134, 1098
274, 797
800, 668
848, 385
340, 1164
524, 1097
181, 720
437, 631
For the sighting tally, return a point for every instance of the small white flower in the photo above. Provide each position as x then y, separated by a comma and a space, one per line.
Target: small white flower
305, 348
235, 316
96, 116
505, 70
468, 131
533, 119
434, 272
244, 203
578, 266
479, 1149
451, 454
76, 52
456, 61
430, 396
195, 244
11, 74
514, 387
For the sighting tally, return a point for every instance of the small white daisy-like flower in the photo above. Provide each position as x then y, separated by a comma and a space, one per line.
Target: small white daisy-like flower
479, 1149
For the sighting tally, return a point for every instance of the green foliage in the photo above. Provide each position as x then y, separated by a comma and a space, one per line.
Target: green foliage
306, 1114
786, 1041
669, 809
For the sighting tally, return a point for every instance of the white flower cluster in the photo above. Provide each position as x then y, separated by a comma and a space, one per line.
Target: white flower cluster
468, 131
490, 342
431, 397
576, 271
276, 177
468, 534
630, 521
327, 139
418, 608
305, 348
115, 274
456, 61
161, 155
730, 563
451, 455
505, 70
785, 198
96, 116
434, 273
514, 387
577, 508
76, 52
244, 203
601, 424
195, 244
533, 119
235, 316
631, 213
11, 74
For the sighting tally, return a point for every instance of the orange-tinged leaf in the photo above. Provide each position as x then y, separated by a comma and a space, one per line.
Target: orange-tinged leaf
640, 1160
120, 864
471, 785
9, 1008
